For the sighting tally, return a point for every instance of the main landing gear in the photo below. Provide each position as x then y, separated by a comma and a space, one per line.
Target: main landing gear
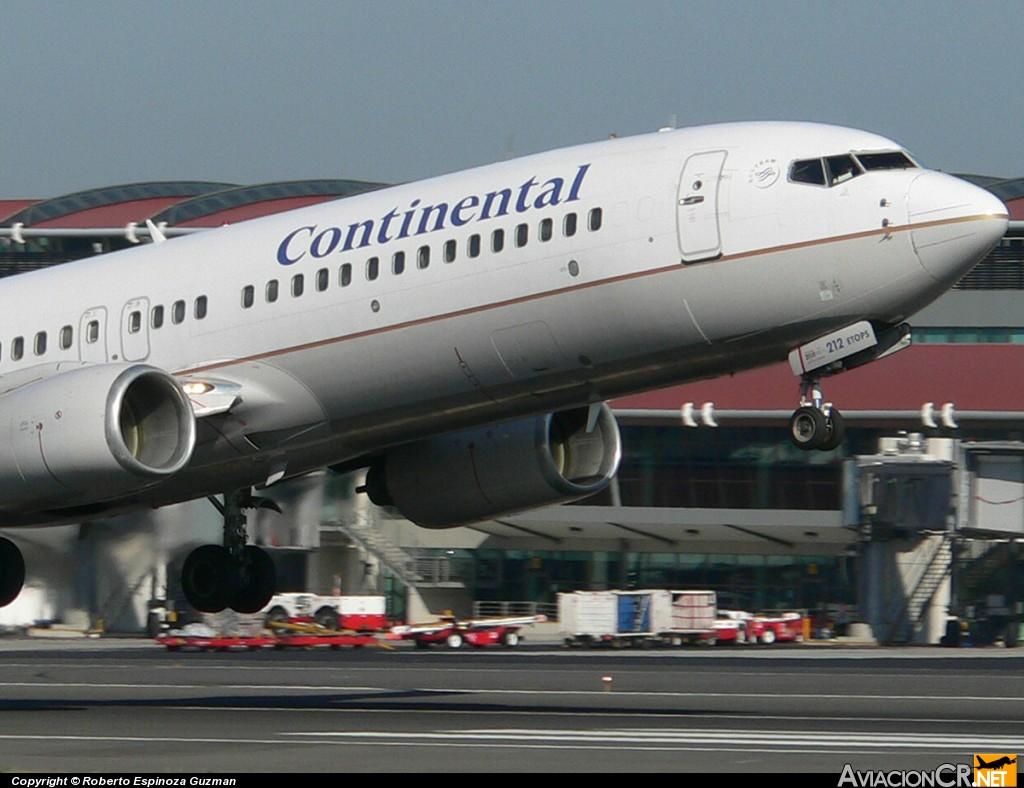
237, 575
815, 424
12, 571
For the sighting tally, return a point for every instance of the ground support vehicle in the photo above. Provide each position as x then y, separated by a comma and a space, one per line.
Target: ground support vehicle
780, 628
215, 642
639, 618
302, 632
219, 643
732, 627
454, 632
739, 626
356, 612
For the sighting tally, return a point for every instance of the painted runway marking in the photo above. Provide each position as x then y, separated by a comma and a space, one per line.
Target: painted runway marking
513, 692
619, 738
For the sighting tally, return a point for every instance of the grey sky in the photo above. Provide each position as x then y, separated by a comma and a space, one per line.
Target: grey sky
102, 92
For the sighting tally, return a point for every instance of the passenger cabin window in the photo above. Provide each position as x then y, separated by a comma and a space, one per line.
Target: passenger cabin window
271, 291
423, 257
497, 240
200, 307
66, 336
248, 296
156, 316
569, 225
92, 331
178, 312
39, 346
594, 220
886, 160
134, 322
522, 234
449, 251
323, 279
372, 268
474, 245
345, 274
398, 263
18, 348
545, 229
298, 285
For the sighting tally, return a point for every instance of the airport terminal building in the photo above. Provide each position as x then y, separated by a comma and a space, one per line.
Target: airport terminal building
916, 516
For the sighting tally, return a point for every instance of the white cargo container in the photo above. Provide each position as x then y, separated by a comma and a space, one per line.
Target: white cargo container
694, 611
588, 615
645, 616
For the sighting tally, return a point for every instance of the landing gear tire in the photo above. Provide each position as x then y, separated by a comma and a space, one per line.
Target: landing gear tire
207, 578
808, 428
234, 575
258, 581
12, 571
835, 429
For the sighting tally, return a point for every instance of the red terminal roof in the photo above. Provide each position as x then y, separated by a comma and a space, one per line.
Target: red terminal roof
115, 215
10, 207
965, 375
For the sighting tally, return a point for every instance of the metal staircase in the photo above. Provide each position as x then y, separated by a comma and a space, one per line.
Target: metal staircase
119, 600
933, 571
361, 526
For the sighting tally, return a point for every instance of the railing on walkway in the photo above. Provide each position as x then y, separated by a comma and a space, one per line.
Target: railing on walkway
509, 608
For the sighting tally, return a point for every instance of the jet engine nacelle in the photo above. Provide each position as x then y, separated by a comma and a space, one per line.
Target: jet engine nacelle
83, 435
492, 471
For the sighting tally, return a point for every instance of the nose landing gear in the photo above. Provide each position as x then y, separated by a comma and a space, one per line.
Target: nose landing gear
815, 424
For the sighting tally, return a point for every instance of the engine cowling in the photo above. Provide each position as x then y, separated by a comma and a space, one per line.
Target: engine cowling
492, 471
90, 433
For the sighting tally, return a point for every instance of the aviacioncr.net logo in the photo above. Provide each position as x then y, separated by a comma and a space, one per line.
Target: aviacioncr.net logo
995, 769
948, 775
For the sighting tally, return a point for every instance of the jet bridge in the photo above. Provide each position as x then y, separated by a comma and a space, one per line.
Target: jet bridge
934, 518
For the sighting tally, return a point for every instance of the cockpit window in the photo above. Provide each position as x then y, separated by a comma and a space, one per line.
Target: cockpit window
841, 169
833, 170
886, 160
807, 171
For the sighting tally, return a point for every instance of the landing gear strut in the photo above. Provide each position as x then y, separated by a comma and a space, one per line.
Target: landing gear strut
815, 424
237, 575
12, 571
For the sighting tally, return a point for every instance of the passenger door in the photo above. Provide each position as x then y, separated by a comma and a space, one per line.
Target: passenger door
135, 330
697, 206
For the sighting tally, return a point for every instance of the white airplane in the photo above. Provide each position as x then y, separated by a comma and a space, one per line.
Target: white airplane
458, 336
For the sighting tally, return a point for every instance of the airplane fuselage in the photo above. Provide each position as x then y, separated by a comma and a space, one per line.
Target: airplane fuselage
519, 288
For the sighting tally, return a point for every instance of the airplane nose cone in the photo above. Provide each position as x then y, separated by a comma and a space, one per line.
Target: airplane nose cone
954, 224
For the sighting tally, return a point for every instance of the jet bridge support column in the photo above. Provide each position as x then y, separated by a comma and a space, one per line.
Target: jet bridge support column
905, 516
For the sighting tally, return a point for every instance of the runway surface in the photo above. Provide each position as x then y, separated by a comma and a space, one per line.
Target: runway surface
132, 707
